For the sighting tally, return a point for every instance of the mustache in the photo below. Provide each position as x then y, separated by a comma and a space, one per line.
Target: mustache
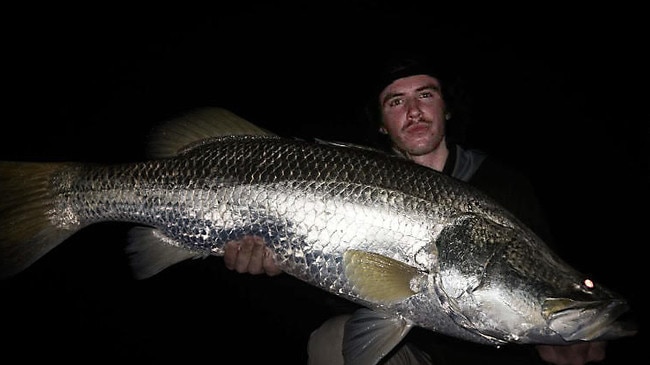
420, 120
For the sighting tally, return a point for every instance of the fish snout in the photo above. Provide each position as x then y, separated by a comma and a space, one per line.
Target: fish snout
587, 320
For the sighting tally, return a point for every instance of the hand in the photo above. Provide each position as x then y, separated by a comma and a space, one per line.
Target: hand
250, 255
575, 354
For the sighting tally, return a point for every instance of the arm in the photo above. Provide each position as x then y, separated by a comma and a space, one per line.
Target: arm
250, 255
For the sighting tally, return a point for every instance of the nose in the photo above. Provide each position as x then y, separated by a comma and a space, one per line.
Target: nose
413, 110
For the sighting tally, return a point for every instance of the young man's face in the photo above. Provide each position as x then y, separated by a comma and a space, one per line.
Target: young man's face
413, 114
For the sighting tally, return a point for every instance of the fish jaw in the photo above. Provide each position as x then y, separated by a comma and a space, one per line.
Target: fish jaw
518, 291
587, 320
499, 315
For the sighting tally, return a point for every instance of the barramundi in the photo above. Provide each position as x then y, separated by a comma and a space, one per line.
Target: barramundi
414, 247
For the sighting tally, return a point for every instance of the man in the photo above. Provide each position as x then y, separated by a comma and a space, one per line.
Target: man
411, 111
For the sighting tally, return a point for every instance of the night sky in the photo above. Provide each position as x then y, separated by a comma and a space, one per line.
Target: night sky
562, 95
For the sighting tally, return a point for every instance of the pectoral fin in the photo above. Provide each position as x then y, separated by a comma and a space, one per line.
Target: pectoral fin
370, 335
150, 252
378, 278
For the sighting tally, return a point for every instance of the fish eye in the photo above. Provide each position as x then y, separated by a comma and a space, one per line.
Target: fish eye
587, 285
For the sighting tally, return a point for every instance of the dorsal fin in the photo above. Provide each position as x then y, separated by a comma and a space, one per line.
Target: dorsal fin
176, 135
348, 145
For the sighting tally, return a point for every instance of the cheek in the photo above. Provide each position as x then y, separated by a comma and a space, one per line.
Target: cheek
392, 128
435, 107
391, 120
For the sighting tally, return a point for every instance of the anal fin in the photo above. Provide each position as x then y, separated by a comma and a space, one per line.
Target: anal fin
150, 252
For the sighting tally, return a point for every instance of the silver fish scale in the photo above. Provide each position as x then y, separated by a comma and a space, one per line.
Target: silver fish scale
466, 267
311, 202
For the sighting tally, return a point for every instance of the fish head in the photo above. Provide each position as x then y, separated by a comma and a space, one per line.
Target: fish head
502, 282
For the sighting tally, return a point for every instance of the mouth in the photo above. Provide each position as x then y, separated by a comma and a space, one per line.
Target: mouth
588, 320
417, 127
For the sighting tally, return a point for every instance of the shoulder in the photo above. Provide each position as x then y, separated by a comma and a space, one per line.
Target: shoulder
502, 181
496, 169
515, 191
480, 168
463, 163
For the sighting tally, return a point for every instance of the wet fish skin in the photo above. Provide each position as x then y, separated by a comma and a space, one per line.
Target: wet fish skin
416, 247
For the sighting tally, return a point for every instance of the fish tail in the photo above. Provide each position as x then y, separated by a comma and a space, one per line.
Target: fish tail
27, 232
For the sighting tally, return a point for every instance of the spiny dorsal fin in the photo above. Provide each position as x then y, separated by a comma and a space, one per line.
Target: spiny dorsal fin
348, 145
379, 278
176, 135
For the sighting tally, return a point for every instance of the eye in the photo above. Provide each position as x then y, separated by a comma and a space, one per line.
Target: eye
395, 102
426, 94
587, 285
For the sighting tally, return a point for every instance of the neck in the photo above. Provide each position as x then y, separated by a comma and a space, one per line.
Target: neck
435, 159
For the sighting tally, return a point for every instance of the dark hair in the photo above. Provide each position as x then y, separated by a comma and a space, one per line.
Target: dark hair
408, 64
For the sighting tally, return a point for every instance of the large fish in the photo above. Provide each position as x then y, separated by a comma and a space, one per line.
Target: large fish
411, 245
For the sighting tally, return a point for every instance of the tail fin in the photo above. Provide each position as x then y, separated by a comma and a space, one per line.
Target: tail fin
27, 232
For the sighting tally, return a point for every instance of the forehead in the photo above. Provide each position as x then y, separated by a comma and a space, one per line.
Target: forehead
409, 84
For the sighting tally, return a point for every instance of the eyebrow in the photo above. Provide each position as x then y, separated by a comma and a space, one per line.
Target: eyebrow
430, 86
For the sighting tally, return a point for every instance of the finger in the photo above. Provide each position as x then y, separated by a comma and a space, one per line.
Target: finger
269, 264
576, 353
255, 263
564, 354
246, 247
597, 351
231, 250
546, 353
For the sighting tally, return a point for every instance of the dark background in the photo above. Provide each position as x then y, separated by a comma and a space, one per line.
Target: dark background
559, 93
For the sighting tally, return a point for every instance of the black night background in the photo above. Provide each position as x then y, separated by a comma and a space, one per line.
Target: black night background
561, 95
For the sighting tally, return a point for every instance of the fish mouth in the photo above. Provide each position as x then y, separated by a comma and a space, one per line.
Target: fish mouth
587, 320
